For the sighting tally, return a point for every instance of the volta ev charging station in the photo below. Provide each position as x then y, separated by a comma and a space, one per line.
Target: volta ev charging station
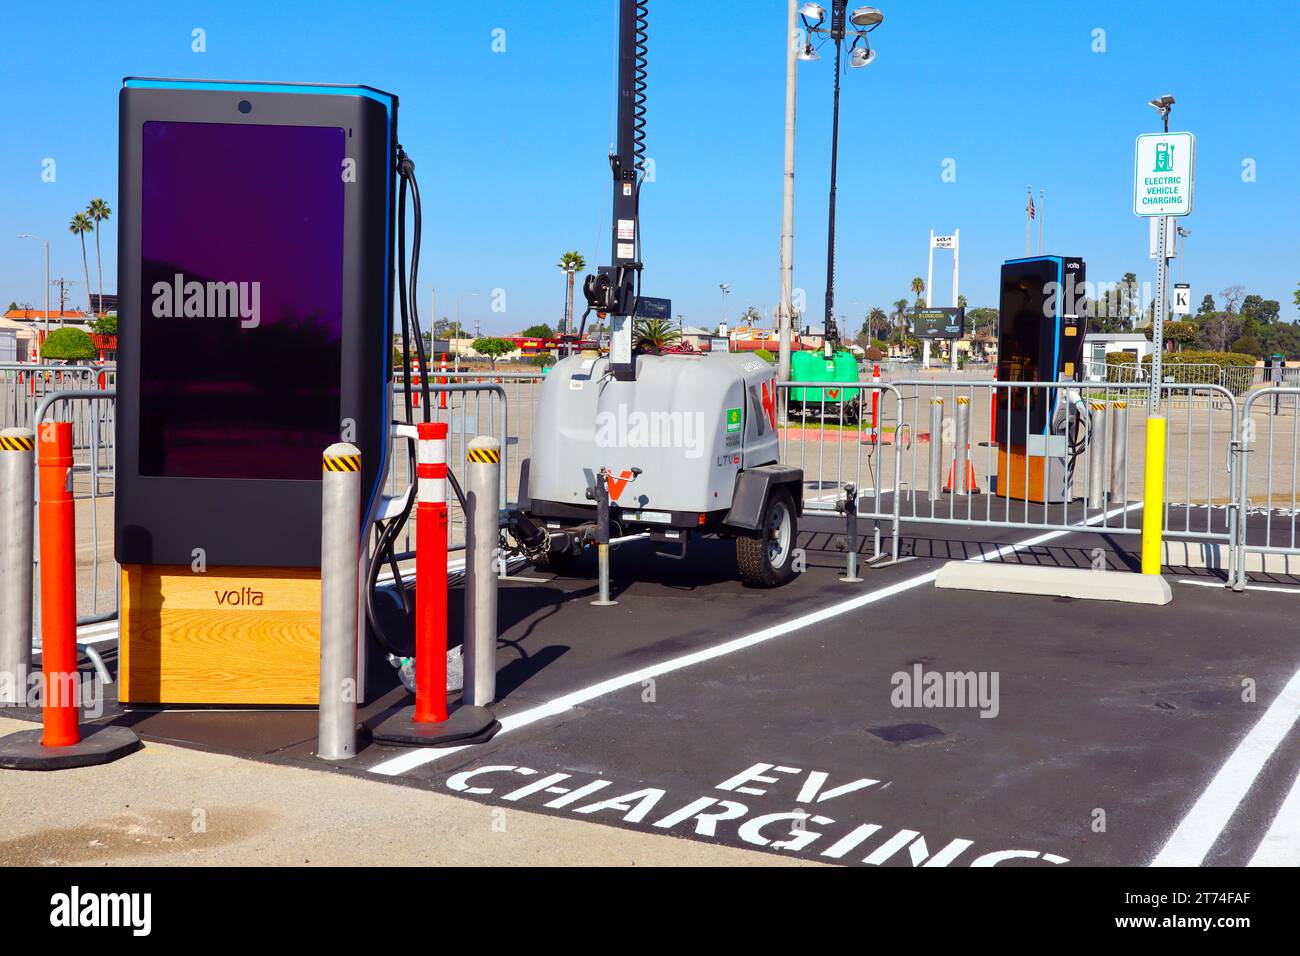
256, 235
1042, 324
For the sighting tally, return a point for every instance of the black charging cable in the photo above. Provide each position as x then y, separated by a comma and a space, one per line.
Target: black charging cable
385, 552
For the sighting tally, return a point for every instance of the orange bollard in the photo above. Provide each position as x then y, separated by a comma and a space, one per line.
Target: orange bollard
442, 396
431, 574
430, 722
60, 745
58, 583
875, 401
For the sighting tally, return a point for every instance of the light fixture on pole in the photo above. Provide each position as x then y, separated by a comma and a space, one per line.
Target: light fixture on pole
843, 25
1163, 105
1182, 251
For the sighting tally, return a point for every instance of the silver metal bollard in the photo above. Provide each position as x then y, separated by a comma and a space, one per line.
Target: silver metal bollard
1097, 477
936, 447
962, 451
17, 505
482, 532
1119, 453
340, 546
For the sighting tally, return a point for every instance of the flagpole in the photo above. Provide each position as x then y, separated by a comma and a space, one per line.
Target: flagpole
1042, 219
1028, 219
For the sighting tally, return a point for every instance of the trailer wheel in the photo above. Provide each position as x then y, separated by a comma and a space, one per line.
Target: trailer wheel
767, 560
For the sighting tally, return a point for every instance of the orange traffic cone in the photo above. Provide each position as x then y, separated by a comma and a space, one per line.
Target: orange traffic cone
972, 486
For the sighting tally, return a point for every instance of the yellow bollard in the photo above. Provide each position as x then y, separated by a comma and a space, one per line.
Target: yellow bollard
1153, 500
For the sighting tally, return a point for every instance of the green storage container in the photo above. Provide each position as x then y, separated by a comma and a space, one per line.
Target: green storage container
815, 367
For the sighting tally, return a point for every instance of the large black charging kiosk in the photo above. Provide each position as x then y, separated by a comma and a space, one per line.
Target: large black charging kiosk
255, 237
1041, 327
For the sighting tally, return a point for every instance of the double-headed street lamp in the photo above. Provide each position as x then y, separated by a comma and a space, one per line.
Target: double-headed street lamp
843, 25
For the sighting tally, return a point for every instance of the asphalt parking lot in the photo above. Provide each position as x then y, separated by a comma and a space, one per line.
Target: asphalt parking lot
797, 721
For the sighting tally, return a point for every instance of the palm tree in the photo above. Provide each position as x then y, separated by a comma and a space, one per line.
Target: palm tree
961, 301
877, 319
900, 312
656, 332
79, 225
98, 211
918, 286
570, 262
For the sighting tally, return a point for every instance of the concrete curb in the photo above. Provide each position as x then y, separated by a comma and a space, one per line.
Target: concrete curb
1054, 582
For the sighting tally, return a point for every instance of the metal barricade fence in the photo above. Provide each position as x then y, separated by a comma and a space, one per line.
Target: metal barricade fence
1267, 494
837, 441
91, 412
1081, 467
25, 385
471, 409
522, 391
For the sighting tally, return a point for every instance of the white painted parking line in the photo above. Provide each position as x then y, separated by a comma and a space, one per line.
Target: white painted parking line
1281, 844
98, 633
1200, 828
1249, 587
417, 758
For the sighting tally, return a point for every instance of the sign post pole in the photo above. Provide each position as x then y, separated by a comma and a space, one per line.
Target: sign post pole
956, 300
1158, 320
1163, 174
929, 299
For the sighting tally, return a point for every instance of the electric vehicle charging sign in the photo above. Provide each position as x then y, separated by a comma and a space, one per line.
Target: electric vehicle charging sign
1163, 169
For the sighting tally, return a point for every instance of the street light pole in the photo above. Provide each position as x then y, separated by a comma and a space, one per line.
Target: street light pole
837, 33
28, 235
785, 314
863, 20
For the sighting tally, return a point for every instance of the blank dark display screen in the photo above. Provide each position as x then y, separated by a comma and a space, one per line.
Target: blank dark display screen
241, 299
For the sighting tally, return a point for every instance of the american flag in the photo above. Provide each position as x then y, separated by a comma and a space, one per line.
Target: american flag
1030, 208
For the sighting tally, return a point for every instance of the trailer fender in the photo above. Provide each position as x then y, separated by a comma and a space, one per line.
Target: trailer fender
753, 485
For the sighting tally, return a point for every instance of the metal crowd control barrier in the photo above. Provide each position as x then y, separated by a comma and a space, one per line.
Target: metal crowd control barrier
1267, 496
521, 391
858, 449
473, 409
93, 462
1083, 469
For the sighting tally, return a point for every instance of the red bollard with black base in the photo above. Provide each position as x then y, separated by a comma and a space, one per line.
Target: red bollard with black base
61, 744
431, 723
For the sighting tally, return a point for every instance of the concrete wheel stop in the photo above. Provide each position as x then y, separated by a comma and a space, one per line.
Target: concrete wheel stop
1083, 583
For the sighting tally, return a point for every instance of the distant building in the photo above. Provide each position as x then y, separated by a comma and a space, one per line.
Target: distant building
1097, 345
29, 324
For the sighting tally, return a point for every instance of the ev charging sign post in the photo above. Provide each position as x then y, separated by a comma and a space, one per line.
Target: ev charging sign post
1163, 170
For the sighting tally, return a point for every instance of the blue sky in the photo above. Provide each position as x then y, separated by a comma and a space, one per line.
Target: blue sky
511, 147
